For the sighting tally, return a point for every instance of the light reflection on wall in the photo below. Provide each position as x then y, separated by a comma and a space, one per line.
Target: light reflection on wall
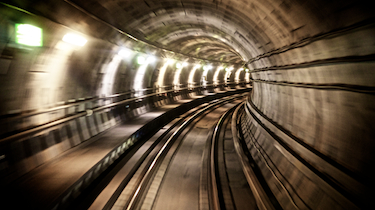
237, 75
247, 76
109, 75
138, 80
176, 79
228, 73
160, 83
110, 70
49, 74
191, 82
215, 80
204, 75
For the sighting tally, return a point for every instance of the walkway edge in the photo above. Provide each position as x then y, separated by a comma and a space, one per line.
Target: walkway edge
262, 200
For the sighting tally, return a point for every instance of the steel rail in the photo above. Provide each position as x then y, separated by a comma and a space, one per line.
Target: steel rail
109, 204
139, 162
64, 201
217, 203
164, 149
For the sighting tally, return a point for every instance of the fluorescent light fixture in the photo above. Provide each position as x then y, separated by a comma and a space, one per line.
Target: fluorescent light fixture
124, 52
151, 59
74, 39
29, 35
141, 60
178, 65
169, 61
181, 65
229, 69
207, 67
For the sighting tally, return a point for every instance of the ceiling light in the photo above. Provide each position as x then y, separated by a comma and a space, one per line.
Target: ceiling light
125, 52
178, 65
74, 39
141, 60
151, 59
29, 35
169, 61
229, 69
207, 67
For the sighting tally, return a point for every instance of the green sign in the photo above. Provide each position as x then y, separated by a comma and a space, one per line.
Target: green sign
29, 35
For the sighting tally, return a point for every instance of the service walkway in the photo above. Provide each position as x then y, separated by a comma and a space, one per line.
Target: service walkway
40, 188
62, 179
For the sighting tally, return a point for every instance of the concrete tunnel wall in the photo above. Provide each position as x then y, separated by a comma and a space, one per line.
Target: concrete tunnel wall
36, 79
312, 66
319, 91
52, 74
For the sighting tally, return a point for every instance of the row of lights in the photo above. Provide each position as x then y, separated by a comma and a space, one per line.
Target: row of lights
30, 35
205, 68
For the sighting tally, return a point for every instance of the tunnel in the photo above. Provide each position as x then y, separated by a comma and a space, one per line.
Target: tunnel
71, 70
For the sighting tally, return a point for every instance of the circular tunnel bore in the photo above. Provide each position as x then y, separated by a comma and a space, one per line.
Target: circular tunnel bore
310, 64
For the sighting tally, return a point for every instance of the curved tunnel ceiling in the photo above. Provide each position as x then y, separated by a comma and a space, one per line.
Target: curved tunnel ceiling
191, 26
238, 31
311, 65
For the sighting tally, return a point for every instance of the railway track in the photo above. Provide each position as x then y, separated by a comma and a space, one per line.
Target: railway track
177, 167
228, 187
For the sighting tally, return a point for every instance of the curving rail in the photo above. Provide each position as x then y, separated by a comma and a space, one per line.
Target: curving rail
160, 155
217, 199
262, 198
